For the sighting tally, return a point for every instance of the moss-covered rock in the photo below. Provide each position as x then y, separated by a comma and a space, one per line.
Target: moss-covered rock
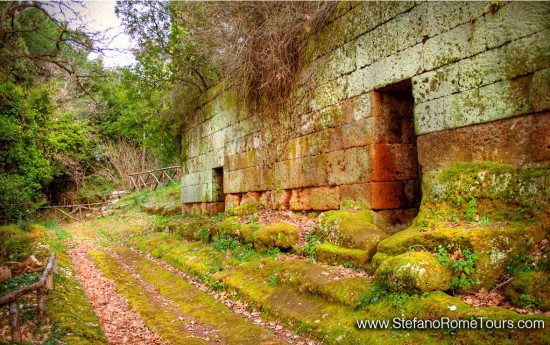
529, 289
332, 254
280, 235
229, 227
351, 229
248, 208
414, 272
193, 229
474, 190
495, 245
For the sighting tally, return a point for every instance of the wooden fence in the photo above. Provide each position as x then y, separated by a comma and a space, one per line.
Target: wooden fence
75, 212
153, 178
42, 286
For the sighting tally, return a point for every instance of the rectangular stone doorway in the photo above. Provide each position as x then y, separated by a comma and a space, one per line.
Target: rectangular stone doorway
217, 185
396, 191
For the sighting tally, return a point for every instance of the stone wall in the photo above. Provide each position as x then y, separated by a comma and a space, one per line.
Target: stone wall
387, 90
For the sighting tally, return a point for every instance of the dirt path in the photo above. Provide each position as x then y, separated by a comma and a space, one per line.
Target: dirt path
140, 300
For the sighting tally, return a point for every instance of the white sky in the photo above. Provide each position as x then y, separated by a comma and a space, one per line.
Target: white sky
101, 14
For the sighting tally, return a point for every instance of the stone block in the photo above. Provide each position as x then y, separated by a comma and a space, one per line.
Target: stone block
232, 200
342, 167
512, 141
191, 193
265, 199
539, 93
414, 272
387, 195
456, 44
280, 199
313, 171
359, 193
429, 116
392, 69
251, 197
325, 198
300, 199
358, 133
394, 162
516, 20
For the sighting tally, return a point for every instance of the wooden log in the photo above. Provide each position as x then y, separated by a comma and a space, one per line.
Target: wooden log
15, 322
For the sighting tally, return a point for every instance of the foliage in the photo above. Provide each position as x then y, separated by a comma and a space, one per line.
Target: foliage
18, 282
272, 280
223, 243
311, 241
375, 292
15, 244
462, 263
528, 301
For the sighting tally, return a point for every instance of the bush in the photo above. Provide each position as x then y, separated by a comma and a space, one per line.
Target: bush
13, 196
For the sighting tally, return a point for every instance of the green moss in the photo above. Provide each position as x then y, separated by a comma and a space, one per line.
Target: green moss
280, 235
499, 191
414, 272
231, 328
245, 209
16, 244
330, 254
229, 227
496, 245
535, 284
353, 230
160, 320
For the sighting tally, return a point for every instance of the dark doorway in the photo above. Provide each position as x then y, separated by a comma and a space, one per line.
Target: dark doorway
217, 184
396, 177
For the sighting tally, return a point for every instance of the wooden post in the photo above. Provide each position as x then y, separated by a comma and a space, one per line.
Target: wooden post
80, 212
40, 294
15, 322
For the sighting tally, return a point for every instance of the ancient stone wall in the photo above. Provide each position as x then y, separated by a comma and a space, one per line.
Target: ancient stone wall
387, 92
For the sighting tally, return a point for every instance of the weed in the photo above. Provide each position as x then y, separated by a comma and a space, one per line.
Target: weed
272, 280
18, 282
204, 234
463, 265
397, 299
244, 252
311, 241
223, 243
253, 219
219, 217
528, 301
273, 252
348, 264
376, 291
312, 215
471, 211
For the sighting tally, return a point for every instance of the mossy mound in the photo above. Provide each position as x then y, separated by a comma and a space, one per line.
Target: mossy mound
332, 254
170, 208
245, 209
16, 244
472, 191
351, 229
494, 245
414, 272
529, 289
265, 237
229, 227
192, 230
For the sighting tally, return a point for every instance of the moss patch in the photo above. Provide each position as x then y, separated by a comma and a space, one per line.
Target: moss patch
351, 229
414, 272
160, 320
331, 254
280, 235
245, 209
197, 304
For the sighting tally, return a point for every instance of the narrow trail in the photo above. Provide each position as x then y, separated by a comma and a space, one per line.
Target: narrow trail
140, 300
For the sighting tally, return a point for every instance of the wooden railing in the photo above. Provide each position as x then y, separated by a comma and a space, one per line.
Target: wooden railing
42, 286
153, 178
74, 212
